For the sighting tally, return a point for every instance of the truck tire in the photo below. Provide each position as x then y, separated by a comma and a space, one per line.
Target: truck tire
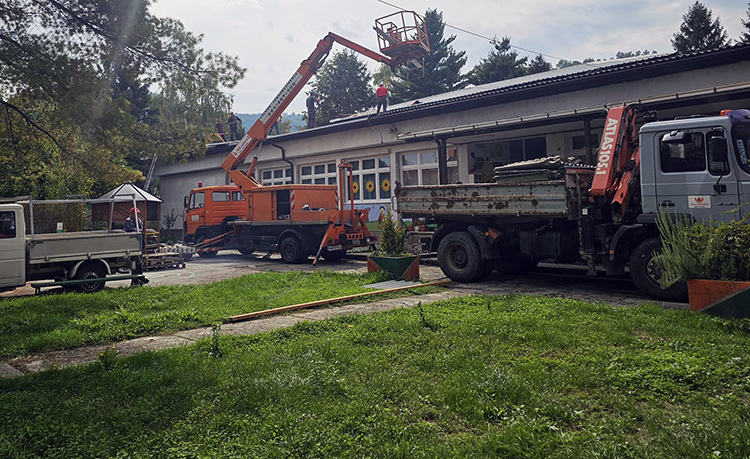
646, 273
291, 252
459, 257
90, 271
335, 255
205, 254
485, 269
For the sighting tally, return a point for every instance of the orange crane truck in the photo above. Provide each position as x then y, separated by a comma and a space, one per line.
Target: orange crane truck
295, 220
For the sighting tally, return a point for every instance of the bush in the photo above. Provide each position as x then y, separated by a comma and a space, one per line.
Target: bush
392, 237
708, 250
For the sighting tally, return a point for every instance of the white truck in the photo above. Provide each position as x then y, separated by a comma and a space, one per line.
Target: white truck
70, 259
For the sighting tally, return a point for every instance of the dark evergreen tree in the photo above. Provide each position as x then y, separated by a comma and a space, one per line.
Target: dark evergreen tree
745, 35
442, 69
698, 31
343, 84
500, 64
538, 65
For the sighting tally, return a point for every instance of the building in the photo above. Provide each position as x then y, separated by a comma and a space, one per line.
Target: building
462, 135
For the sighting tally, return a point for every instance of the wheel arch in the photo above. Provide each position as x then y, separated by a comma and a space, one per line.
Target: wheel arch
97, 261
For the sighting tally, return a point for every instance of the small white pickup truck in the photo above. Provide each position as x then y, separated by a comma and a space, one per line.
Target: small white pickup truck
73, 256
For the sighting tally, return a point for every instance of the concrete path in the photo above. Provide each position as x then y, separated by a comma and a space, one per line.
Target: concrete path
60, 359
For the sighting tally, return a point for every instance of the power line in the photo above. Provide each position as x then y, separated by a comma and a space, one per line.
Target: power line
490, 39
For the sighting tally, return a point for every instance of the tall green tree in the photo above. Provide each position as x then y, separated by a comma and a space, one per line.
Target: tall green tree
745, 35
500, 64
92, 89
442, 67
343, 84
698, 31
538, 65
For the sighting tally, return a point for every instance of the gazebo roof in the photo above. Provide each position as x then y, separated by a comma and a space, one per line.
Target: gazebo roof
127, 189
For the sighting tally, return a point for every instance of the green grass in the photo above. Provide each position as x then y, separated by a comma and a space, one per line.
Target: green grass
49, 322
517, 377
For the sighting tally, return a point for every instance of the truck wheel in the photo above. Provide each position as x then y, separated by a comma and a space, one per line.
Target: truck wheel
205, 254
334, 256
90, 271
646, 273
291, 252
246, 252
459, 258
485, 269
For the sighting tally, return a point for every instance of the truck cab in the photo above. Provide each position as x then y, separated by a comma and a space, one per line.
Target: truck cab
697, 166
12, 247
208, 211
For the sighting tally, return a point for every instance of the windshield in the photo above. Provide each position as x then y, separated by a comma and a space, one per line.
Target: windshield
741, 136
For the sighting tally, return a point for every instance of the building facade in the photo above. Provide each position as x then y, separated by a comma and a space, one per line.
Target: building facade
462, 135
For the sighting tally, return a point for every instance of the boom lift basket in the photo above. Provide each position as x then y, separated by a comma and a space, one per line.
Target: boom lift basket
402, 36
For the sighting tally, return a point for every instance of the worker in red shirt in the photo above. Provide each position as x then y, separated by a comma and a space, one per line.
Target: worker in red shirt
382, 93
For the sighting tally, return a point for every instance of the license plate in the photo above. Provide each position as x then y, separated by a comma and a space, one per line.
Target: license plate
333, 248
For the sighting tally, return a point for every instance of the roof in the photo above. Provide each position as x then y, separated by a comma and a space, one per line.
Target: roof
127, 189
556, 81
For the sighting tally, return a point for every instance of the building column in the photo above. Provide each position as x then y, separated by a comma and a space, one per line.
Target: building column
587, 137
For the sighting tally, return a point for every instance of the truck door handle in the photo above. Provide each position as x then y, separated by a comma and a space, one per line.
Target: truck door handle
667, 203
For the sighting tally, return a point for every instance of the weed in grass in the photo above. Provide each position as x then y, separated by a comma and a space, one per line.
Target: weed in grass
216, 350
426, 322
489, 305
108, 358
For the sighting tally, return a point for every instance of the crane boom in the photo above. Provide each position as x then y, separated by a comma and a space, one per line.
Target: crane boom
259, 130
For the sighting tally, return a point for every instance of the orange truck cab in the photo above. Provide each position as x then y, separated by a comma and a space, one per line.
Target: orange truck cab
208, 211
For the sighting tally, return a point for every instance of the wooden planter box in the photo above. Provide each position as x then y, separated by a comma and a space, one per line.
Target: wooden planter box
400, 267
730, 300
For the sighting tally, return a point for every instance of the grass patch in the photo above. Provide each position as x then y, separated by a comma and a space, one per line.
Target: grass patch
41, 323
518, 377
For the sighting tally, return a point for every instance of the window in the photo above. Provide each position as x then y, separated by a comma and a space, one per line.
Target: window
373, 180
197, 200
238, 196
319, 174
579, 141
7, 225
682, 152
220, 196
741, 137
281, 176
422, 168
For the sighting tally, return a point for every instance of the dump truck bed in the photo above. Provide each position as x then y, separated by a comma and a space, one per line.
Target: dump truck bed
46, 248
559, 198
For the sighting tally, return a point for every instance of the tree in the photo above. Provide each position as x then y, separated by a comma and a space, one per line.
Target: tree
698, 32
343, 84
92, 89
442, 67
500, 64
538, 65
745, 35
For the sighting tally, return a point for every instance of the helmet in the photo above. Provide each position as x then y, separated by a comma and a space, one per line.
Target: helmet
134, 209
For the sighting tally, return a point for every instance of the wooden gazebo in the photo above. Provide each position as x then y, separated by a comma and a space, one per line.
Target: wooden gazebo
148, 205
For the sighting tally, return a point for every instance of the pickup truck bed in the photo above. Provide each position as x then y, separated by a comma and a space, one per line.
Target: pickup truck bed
59, 247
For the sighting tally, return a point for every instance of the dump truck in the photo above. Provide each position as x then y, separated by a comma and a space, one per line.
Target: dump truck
604, 216
80, 260
298, 220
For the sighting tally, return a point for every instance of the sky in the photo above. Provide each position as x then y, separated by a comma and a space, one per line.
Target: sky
272, 37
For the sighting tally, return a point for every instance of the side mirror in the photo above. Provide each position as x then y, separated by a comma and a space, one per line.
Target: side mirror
185, 202
717, 150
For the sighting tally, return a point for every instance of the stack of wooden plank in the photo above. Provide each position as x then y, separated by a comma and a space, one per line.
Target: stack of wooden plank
166, 260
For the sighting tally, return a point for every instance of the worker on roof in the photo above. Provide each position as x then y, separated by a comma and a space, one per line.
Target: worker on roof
382, 93
275, 126
234, 133
310, 101
220, 130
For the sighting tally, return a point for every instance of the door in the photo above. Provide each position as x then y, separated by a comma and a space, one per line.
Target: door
688, 182
12, 248
741, 152
195, 216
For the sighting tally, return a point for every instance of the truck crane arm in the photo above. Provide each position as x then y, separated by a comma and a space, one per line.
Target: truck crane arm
616, 181
259, 130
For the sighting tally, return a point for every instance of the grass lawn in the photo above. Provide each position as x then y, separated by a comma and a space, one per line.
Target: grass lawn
509, 377
48, 322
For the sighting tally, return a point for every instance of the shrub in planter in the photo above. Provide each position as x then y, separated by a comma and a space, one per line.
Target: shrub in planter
710, 251
391, 255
